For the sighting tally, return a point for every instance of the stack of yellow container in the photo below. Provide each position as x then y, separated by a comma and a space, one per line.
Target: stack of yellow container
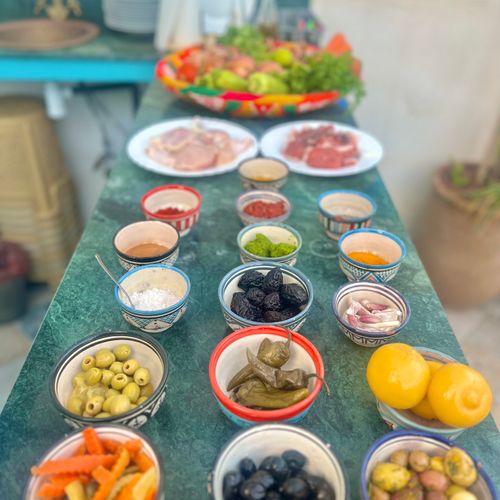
38, 205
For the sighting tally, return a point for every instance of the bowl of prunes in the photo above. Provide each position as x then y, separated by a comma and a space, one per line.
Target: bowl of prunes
277, 461
265, 293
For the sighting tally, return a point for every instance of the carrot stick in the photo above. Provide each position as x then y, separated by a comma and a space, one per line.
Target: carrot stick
126, 493
83, 464
133, 446
49, 490
143, 461
101, 474
92, 441
110, 445
81, 450
116, 472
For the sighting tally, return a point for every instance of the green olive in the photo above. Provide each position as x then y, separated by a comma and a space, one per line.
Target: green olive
116, 367
107, 375
132, 406
93, 376
119, 404
87, 363
141, 400
111, 392
122, 352
119, 381
104, 358
147, 390
142, 376
75, 405
107, 403
88, 415
79, 379
94, 405
96, 390
130, 366
103, 414
132, 391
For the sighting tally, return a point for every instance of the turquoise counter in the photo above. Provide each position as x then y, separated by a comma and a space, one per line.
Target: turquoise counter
189, 428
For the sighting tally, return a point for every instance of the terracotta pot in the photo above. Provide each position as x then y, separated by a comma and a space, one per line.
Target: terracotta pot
460, 252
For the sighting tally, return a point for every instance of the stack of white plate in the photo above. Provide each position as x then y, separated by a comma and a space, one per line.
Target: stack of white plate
131, 16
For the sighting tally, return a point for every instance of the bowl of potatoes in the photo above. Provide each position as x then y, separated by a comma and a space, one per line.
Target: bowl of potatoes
112, 377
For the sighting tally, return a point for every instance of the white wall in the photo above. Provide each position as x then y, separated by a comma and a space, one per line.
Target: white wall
432, 73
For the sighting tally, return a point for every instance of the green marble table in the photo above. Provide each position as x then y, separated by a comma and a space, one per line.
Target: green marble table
189, 429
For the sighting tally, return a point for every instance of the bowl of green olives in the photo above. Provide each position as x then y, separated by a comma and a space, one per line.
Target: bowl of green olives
277, 461
112, 377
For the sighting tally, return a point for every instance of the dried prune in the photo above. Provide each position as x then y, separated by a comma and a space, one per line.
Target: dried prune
273, 280
272, 302
255, 296
290, 312
242, 307
273, 316
251, 279
294, 294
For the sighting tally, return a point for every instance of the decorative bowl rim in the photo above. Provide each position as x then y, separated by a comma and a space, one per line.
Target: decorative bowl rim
107, 336
166, 187
340, 218
277, 179
370, 284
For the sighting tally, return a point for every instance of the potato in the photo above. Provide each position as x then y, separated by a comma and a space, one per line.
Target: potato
377, 494
414, 481
400, 457
390, 477
408, 494
418, 460
434, 481
436, 463
435, 495
459, 467
454, 488
463, 495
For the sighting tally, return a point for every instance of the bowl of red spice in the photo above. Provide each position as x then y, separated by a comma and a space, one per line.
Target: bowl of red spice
175, 204
263, 206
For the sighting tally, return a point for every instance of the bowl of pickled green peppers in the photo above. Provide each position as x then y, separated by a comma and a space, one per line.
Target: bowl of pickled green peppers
266, 373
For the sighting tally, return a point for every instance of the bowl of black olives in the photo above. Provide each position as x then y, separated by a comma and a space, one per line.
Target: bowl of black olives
112, 377
262, 463
265, 293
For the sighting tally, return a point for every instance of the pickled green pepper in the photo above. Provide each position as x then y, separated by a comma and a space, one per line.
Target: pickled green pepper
255, 394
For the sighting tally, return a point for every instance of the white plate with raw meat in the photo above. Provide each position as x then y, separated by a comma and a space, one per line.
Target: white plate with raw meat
192, 147
322, 148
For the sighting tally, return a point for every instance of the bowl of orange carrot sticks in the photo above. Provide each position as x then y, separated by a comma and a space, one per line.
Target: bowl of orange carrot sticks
97, 463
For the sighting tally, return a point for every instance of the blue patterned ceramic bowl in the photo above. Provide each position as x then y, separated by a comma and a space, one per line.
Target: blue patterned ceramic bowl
382, 243
342, 210
261, 441
277, 233
154, 276
145, 349
68, 445
263, 173
375, 292
406, 419
146, 232
432, 444
265, 196
229, 285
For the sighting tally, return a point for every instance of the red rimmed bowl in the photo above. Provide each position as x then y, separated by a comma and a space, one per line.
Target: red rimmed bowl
157, 202
229, 357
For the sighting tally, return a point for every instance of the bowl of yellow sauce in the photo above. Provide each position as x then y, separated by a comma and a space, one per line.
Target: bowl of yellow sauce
263, 173
370, 255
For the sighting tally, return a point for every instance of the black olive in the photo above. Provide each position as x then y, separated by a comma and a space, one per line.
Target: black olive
294, 459
294, 294
325, 492
276, 466
252, 490
314, 482
263, 477
230, 484
247, 467
255, 296
251, 279
273, 280
296, 489
273, 495
272, 302
301, 473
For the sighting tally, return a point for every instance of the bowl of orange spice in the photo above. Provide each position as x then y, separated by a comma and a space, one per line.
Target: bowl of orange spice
370, 255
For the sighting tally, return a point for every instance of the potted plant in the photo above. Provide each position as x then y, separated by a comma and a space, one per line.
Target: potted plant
459, 239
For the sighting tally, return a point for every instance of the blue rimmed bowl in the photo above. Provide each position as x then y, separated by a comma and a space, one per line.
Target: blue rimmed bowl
406, 419
277, 233
375, 292
145, 349
264, 440
229, 285
68, 445
265, 196
154, 276
342, 210
432, 444
382, 243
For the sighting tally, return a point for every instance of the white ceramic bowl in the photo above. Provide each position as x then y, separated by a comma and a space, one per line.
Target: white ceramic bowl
263, 173
277, 233
146, 232
145, 349
154, 276
68, 445
273, 439
265, 196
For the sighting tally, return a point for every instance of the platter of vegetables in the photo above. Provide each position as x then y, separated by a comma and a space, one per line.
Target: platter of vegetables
243, 73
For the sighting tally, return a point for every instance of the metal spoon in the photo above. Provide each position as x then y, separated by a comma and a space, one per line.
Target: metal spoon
108, 272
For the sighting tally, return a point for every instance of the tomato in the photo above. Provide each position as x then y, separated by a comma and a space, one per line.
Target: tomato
187, 72
459, 395
398, 375
424, 408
